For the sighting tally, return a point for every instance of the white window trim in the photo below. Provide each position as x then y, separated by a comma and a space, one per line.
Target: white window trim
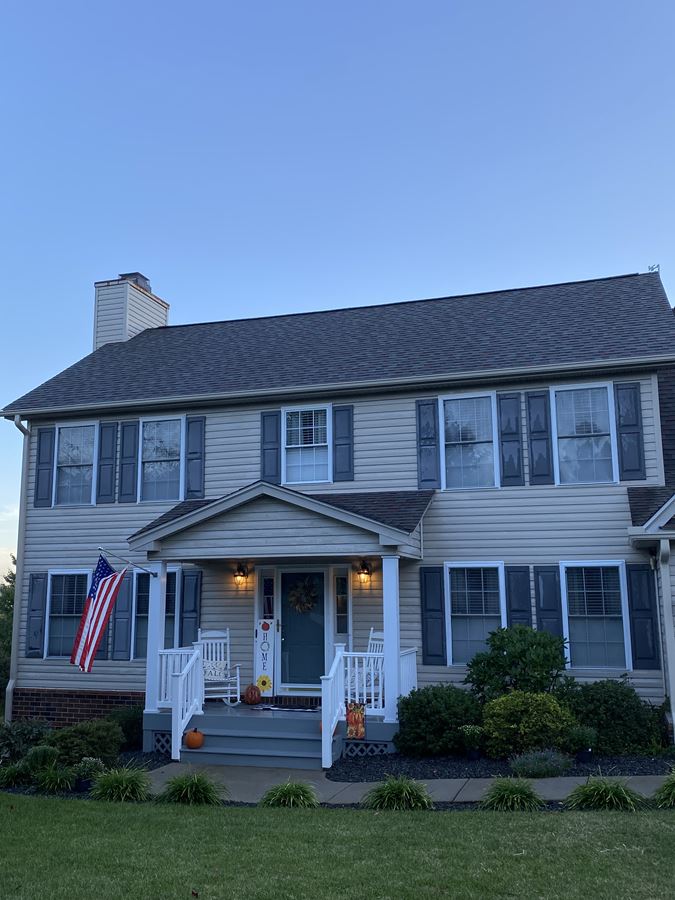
470, 564
619, 564
329, 438
346, 572
612, 428
179, 604
495, 438
181, 463
48, 604
94, 463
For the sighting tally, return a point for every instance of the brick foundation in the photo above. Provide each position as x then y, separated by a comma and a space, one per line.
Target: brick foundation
61, 708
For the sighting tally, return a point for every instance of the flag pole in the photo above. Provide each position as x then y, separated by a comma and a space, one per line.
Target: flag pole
127, 561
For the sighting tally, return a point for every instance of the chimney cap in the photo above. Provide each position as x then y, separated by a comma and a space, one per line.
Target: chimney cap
137, 278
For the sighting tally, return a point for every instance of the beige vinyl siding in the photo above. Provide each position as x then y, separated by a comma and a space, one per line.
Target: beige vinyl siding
110, 313
143, 312
224, 605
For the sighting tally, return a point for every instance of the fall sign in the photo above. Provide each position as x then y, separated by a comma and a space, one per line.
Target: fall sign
264, 657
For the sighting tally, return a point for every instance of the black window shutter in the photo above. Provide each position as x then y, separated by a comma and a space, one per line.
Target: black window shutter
270, 446
121, 623
539, 437
128, 486
343, 443
629, 431
37, 608
518, 600
428, 456
44, 467
432, 595
194, 457
510, 440
107, 462
190, 606
549, 606
644, 629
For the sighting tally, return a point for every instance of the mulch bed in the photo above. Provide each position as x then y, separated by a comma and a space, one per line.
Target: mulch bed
141, 760
376, 768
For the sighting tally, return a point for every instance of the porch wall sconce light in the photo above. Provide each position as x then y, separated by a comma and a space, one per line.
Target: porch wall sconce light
364, 572
240, 575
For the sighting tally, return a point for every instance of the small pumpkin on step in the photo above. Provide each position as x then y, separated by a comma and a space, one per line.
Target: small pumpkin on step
194, 739
252, 695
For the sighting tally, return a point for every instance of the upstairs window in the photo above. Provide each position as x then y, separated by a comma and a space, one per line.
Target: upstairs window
161, 459
585, 437
75, 465
67, 595
595, 615
477, 607
470, 441
306, 444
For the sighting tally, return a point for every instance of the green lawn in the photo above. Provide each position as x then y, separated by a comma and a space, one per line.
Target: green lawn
79, 849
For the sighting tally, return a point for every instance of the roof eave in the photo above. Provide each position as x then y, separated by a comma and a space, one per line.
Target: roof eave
338, 388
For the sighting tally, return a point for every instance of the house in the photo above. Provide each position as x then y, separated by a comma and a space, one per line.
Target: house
426, 470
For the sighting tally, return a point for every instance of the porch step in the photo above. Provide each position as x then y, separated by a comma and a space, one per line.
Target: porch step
266, 758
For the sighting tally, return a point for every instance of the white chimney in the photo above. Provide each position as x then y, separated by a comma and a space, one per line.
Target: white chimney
125, 307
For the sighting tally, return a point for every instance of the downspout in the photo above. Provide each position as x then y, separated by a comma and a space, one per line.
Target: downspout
18, 590
668, 620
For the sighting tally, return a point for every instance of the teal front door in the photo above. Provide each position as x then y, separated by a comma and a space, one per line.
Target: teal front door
302, 629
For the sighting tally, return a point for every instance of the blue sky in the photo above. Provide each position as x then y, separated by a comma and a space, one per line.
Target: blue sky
265, 157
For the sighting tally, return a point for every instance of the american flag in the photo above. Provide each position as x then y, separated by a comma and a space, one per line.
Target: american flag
98, 606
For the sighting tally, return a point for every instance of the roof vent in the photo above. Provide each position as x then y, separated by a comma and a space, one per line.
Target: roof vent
137, 278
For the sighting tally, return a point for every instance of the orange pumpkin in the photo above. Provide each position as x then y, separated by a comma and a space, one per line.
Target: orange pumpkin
252, 695
194, 739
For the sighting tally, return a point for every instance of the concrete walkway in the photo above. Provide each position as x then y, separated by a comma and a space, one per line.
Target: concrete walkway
247, 784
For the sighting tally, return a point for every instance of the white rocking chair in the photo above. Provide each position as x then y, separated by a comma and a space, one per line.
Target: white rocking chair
222, 681
369, 681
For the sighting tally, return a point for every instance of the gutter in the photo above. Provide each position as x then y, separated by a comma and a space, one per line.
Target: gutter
18, 589
334, 389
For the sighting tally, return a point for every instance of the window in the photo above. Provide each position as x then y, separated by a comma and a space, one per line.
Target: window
160, 459
596, 613
477, 607
75, 465
342, 606
268, 597
469, 429
306, 445
142, 604
585, 435
67, 595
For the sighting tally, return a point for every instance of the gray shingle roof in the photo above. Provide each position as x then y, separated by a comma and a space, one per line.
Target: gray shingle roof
605, 319
395, 509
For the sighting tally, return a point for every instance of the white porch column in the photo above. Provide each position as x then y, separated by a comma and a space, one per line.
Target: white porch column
668, 613
156, 616
392, 636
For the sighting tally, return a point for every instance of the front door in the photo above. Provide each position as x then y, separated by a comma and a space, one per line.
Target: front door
302, 656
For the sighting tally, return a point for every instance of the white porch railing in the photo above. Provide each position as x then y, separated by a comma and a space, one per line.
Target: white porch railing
332, 704
408, 671
187, 697
364, 680
171, 662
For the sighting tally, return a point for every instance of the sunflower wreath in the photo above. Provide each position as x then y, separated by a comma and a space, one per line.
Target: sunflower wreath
303, 595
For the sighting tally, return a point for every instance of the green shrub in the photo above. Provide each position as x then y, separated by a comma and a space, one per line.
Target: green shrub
517, 659
472, 736
291, 794
602, 794
540, 764
40, 757
130, 720
16, 738
518, 722
430, 720
624, 723
511, 795
578, 738
89, 768
55, 779
14, 775
101, 739
193, 788
122, 785
398, 793
664, 797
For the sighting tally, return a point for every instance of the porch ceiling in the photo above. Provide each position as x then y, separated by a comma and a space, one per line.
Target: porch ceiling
274, 521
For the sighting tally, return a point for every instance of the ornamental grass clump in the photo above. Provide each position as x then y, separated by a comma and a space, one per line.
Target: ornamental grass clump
122, 785
600, 793
511, 795
664, 797
193, 789
55, 779
540, 764
291, 794
396, 793
14, 775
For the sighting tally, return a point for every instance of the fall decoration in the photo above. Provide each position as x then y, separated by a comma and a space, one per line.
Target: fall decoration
303, 595
264, 683
252, 695
194, 739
